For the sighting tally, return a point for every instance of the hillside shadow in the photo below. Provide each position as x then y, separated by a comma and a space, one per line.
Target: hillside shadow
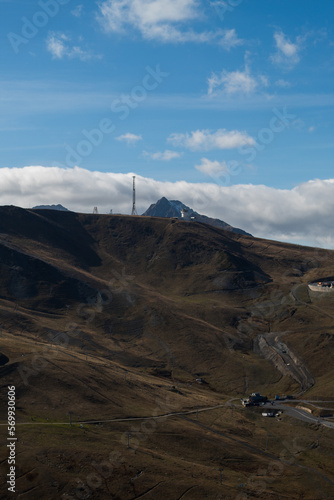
59, 230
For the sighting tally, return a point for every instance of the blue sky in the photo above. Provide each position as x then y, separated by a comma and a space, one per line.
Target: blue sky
235, 92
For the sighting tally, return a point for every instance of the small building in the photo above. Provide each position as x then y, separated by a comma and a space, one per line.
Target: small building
268, 414
254, 399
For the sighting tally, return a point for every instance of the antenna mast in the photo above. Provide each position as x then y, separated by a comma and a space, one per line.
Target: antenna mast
134, 210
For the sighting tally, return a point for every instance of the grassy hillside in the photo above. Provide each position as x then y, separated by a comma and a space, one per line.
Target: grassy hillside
116, 317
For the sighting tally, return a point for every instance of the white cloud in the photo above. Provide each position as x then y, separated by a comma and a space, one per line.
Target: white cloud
129, 138
168, 33
60, 46
163, 156
230, 39
56, 44
161, 20
283, 84
311, 129
210, 167
77, 11
236, 82
206, 140
302, 214
287, 53
116, 14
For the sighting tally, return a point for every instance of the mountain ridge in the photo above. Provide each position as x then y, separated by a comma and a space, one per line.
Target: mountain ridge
59, 207
173, 208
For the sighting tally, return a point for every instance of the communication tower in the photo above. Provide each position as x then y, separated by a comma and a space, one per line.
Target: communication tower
134, 210
95, 211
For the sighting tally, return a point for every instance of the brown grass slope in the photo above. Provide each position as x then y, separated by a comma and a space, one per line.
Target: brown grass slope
114, 317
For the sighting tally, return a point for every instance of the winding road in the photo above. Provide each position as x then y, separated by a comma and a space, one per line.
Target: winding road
272, 348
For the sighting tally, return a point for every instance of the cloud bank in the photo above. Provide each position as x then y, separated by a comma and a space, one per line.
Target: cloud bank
303, 214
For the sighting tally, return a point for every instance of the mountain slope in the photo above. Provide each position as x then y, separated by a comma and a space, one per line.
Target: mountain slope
116, 317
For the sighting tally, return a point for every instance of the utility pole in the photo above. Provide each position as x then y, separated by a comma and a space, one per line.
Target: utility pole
134, 210
70, 414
